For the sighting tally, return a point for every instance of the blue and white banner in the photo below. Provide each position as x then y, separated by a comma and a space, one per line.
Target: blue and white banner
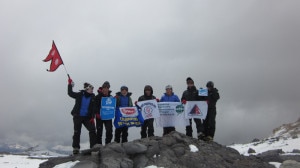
203, 92
128, 116
149, 109
108, 106
196, 109
171, 115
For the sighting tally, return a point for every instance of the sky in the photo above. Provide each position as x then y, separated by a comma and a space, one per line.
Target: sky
249, 49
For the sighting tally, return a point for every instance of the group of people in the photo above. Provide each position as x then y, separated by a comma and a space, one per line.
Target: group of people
87, 110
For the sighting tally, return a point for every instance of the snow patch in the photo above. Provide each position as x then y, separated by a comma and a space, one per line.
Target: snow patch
193, 148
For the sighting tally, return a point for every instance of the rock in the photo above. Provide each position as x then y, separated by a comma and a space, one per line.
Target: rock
290, 164
171, 150
250, 151
85, 164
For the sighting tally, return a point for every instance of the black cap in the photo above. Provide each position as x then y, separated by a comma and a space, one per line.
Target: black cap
189, 79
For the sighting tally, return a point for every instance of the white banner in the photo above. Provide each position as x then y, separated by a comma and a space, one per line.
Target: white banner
196, 109
149, 109
171, 115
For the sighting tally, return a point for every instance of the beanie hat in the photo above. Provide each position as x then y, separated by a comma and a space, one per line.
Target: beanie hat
86, 86
189, 79
106, 85
168, 87
210, 84
124, 87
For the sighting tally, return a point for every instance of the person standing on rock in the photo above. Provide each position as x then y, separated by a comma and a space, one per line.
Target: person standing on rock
210, 120
123, 99
148, 123
191, 94
169, 96
103, 92
82, 114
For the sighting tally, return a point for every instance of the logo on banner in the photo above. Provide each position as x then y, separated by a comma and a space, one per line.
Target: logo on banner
195, 110
108, 101
129, 112
179, 109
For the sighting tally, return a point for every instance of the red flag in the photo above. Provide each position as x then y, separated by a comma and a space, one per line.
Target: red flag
55, 58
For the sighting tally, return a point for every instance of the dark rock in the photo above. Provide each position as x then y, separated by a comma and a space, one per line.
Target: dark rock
250, 151
172, 150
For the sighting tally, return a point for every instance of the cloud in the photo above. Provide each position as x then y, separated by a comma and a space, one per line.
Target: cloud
249, 49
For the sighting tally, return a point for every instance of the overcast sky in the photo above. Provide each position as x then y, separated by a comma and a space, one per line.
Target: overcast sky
250, 49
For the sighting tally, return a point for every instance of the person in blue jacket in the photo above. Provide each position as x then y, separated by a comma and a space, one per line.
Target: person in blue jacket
169, 96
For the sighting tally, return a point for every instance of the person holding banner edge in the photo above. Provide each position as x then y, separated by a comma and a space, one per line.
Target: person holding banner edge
210, 121
82, 114
123, 100
169, 96
102, 92
148, 123
191, 94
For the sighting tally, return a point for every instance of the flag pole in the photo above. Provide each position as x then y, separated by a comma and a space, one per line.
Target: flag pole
61, 60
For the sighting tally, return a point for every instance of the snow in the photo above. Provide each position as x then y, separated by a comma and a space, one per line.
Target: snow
193, 148
152, 166
287, 146
67, 164
19, 161
276, 164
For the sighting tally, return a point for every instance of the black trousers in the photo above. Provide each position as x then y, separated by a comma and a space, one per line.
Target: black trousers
167, 130
78, 121
108, 128
123, 131
147, 127
199, 127
210, 122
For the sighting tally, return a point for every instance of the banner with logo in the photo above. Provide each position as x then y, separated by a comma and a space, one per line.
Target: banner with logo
196, 109
128, 116
171, 115
108, 106
149, 109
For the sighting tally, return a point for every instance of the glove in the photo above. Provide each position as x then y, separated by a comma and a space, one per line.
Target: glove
183, 101
157, 99
92, 121
98, 116
70, 82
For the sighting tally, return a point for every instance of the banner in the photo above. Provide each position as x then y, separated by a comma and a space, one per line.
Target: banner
128, 116
171, 115
203, 92
196, 109
108, 106
149, 109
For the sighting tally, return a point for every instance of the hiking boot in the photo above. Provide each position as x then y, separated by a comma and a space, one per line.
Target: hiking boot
208, 139
201, 136
75, 151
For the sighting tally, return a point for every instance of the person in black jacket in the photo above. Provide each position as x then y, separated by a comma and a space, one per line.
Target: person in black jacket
191, 94
210, 120
102, 92
148, 123
82, 114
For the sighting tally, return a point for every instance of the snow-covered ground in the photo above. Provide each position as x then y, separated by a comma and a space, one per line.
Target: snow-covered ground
19, 161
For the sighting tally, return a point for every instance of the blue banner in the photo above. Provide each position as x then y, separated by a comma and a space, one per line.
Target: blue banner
128, 117
108, 106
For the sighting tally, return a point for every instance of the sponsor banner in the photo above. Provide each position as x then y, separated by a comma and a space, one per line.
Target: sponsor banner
108, 106
128, 116
203, 92
171, 115
196, 109
149, 109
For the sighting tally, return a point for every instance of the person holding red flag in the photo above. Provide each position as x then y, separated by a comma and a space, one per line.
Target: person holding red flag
82, 114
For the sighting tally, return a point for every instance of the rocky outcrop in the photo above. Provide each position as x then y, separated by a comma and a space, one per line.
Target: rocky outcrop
173, 150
